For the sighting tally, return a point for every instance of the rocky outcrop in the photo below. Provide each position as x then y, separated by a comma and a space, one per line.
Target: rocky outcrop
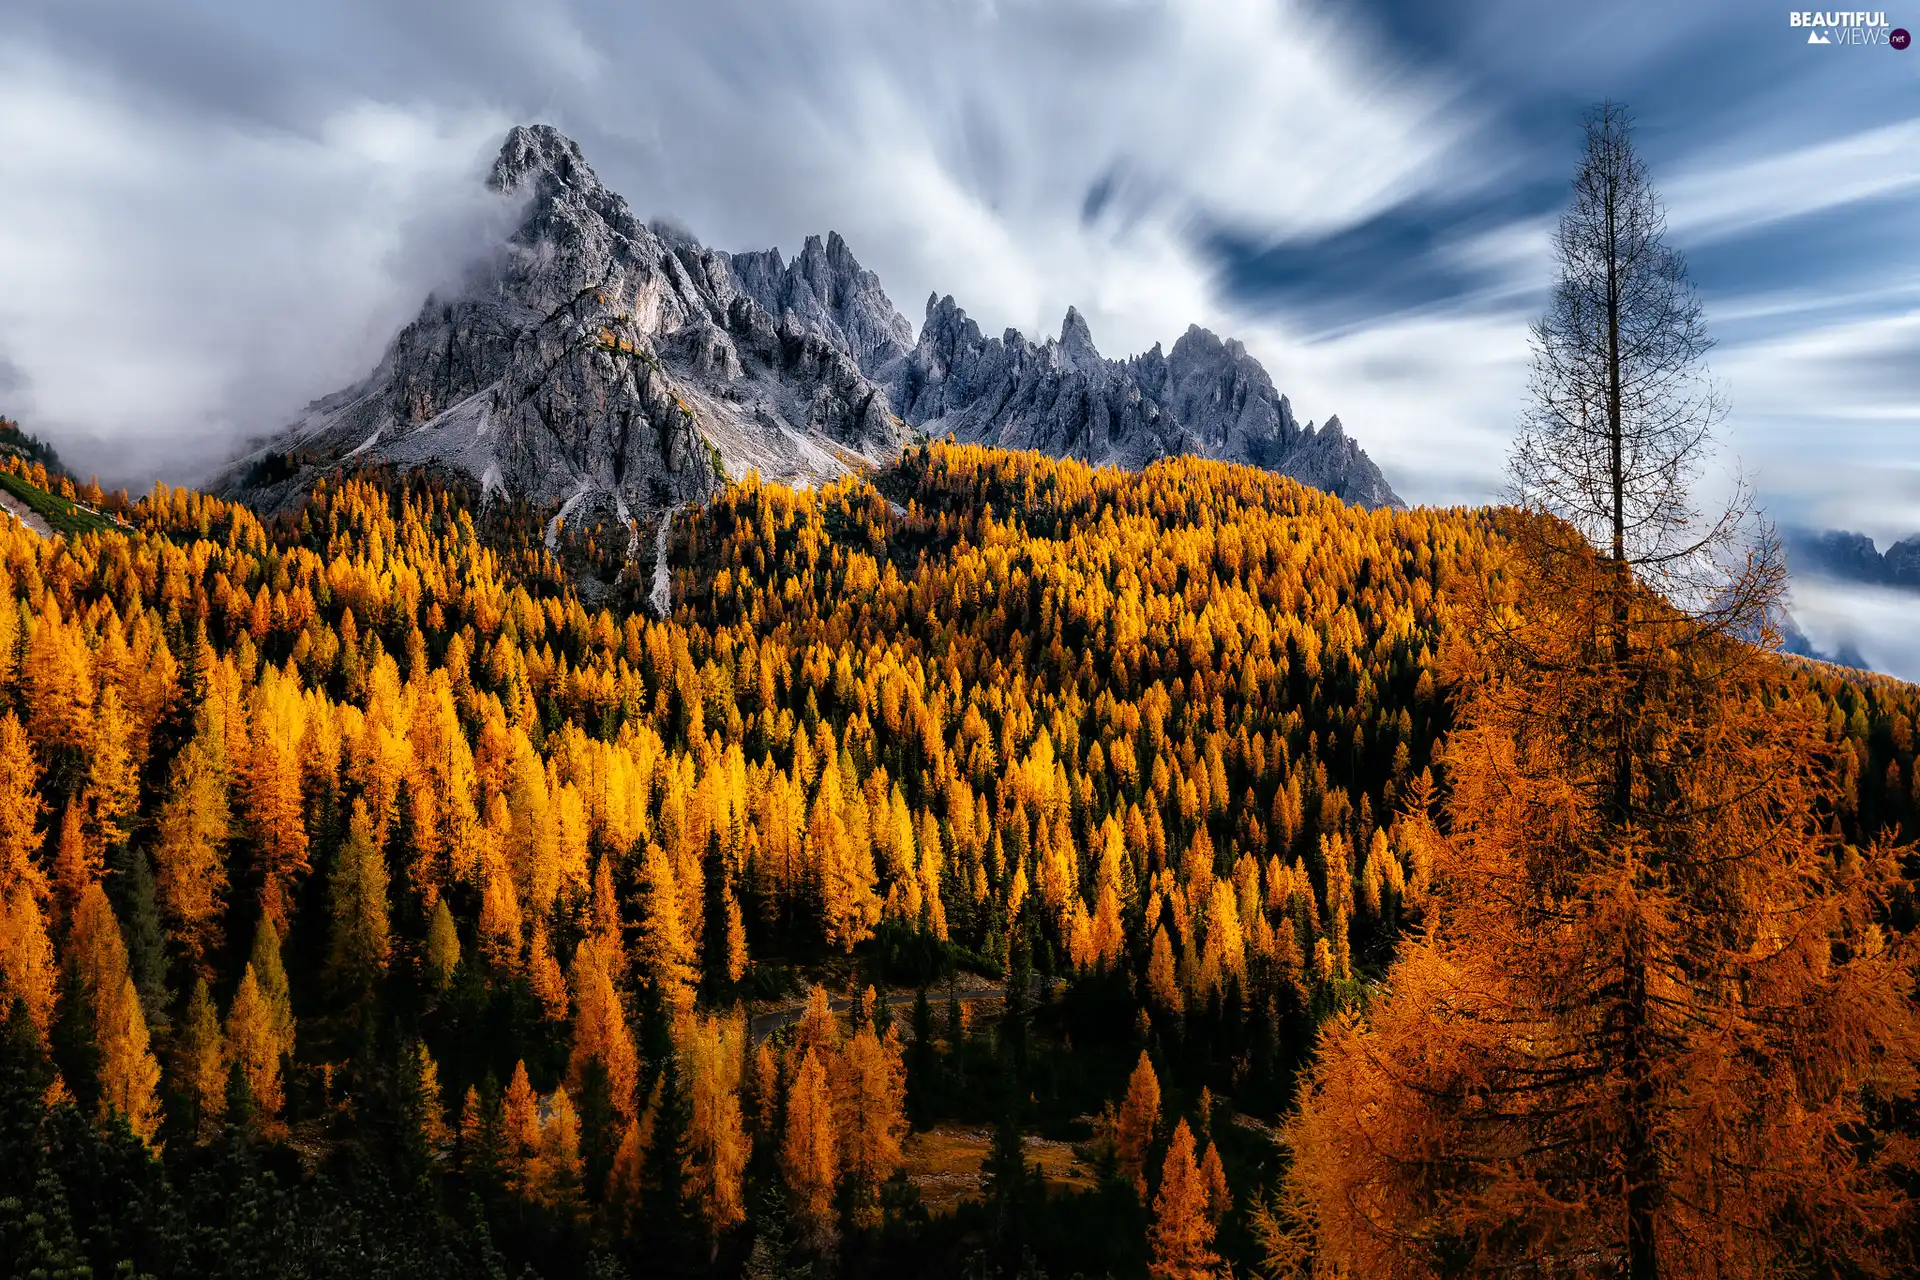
603, 367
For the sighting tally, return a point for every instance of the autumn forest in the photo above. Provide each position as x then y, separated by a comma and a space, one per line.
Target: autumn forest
990, 865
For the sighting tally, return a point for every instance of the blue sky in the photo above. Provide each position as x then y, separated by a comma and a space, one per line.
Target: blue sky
251, 199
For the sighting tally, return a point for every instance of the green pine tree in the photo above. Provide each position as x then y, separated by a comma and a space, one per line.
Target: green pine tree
135, 902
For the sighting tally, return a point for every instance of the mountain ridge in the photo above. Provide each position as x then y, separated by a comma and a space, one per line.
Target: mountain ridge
1854, 557
606, 367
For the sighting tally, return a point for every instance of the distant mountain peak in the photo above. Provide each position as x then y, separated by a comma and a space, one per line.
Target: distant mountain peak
1207, 397
1840, 553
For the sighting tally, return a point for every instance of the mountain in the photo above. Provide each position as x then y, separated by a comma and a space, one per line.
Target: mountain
1207, 397
595, 360
1853, 557
604, 367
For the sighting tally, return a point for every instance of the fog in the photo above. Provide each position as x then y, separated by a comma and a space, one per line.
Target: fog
1881, 624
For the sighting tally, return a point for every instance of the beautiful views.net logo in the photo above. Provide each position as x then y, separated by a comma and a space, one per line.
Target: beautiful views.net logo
1850, 28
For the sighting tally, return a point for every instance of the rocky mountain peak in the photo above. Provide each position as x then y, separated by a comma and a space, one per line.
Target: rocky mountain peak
532, 152
1076, 340
1204, 344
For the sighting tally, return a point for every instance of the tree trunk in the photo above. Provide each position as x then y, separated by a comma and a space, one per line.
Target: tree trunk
1640, 1165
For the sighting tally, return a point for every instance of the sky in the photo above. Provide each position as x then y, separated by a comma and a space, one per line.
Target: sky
214, 211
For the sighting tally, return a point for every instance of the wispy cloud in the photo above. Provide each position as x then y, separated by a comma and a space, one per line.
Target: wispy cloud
1877, 622
170, 282
1711, 201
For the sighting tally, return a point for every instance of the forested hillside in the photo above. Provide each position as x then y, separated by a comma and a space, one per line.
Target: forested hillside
371, 906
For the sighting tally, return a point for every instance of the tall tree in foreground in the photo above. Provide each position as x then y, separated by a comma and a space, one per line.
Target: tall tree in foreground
1661, 1008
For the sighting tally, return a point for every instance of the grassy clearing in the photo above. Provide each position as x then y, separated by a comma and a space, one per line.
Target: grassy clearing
943, 1163
61, 515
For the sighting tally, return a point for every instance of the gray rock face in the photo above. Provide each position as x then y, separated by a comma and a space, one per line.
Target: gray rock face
608, 368
1207, 397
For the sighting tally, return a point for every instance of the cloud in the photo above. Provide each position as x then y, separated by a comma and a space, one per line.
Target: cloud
1432, 398
1881, 623
170, 282
1714, 200
13, 381
957, 145
1857, 371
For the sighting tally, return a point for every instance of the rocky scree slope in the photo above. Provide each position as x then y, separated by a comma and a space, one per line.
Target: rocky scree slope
604, 368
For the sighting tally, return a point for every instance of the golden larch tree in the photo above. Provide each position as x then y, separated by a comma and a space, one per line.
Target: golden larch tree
253, 1044
1214, 1175
58, 680
626, 1179
714, 1145
478, 1129
600, 1030
77, 863
357, 902
129, 1074
1163, 981
443, 947
809, 1162
872, 1109
432, 1113
271, 974
665, 954
189, 853
501, 939
543, 974
520, 1126
19, 811
113, 773
1139, 1117
200, 1061
276, 811
554, 1175
26, 952
843, 862
1180, 1238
